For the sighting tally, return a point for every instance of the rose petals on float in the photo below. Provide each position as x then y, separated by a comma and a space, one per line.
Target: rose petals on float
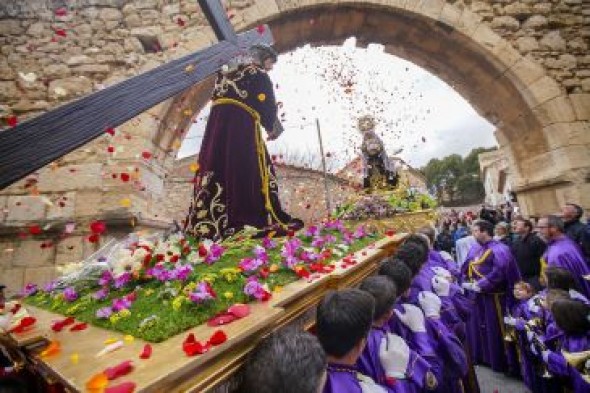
98, 227
79, 327
239, 310
23, 325
59, 325
218, 338
53, 348
146, 353
97, 382
221, 319
119, 370
125, 387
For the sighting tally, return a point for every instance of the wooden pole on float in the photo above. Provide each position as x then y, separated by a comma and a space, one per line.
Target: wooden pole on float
327, 189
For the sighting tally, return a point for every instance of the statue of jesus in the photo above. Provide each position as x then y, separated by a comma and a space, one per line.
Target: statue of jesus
378, 170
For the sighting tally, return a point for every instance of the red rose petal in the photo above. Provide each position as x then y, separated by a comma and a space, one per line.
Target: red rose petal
110, 131
125, 177
35, 230
147, 352
12, 121
98, 227
260, 29
60, 32
146, 155
94, 238
221, 319
61, 12
218, 338
125, 387
79, 327
196, 348
119, 370
239, 310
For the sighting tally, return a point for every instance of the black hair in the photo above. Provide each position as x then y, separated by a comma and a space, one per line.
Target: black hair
577, 208
419, 240
527, 223
571, 316
288, 360
398, 272
413, 255
485, 226
343, 319
383, 291
558, 278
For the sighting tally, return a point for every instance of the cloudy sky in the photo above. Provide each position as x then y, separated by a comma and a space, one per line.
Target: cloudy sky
415, 111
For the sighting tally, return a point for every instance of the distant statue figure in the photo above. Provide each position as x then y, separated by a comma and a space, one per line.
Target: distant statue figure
378, 170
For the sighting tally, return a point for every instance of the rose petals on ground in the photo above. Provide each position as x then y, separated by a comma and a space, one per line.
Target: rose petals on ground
125, 387
218, 338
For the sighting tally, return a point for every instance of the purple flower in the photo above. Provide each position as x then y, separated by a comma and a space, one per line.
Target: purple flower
50, 286
181, 272
202, 292
335, 224
101, 294
215, 252
290, 261
330, 239
308, 256
360, 232
268, 243
105, 278
122, 280
318, 242
70, 294
260, 253
121, 303
104, 312
347, 237
250, 264
312, 231
255, 289
30, 289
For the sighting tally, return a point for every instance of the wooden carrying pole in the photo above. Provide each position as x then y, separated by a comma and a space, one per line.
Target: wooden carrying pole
327, 189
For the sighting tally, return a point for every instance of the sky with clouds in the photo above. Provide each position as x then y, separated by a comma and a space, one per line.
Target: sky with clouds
415, 111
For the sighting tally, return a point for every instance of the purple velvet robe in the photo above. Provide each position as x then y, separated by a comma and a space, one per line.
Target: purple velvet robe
235, 184
496, 276
566, 254
558, 365
369, 364
343, 379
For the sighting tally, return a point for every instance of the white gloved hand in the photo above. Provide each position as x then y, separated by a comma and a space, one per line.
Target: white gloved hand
471, 286
532, 305
545, 355
430, 303
5, 321
534, 350
413, 318
368, 385
575, 295
394, 355
442, 272
511, 321
441, 286
530, 335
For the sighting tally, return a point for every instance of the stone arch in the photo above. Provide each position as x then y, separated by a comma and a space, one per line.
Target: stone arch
536, 123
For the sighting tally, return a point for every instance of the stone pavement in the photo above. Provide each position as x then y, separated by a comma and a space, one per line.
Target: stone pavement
492, 382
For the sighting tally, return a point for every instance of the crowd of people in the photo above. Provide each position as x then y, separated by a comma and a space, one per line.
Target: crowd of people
515, 301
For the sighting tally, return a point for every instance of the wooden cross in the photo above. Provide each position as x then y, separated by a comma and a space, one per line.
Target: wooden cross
41, 140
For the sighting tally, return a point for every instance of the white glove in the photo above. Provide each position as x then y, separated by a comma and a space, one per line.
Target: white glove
442, 272
430, 303
534, 350
471, 286
394, 355
545, 355
368, 385
532, 305
441, 286
575, 295
5, 321
413, 318
510, 321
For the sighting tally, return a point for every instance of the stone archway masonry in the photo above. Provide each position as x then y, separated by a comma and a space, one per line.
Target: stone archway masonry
523, 65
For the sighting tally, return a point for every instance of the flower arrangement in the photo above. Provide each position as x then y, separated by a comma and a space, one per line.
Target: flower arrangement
157, 287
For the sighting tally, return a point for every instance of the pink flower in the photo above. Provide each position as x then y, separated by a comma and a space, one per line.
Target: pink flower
122, 280
103, 313
215, 252
30, 289
255, 289
105, 278
101, 294
121, 304
202, 292
268, 243
250, 264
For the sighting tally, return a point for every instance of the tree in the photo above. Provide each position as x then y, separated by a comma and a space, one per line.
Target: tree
455, 179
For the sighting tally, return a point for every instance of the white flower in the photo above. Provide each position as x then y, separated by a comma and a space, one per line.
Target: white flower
70, 268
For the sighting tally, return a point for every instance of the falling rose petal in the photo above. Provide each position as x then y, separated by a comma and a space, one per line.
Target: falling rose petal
125, 177
110, 149
260, 29
94, 238
60, 32
35, 229
146, 155
61, 12
124, 387
98, 227
12, 121
218, 338
146, 353
110, 131
180, 22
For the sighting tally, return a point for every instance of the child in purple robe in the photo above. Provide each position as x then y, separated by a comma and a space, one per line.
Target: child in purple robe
287, 361
387, 358
343, 321
571, 316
